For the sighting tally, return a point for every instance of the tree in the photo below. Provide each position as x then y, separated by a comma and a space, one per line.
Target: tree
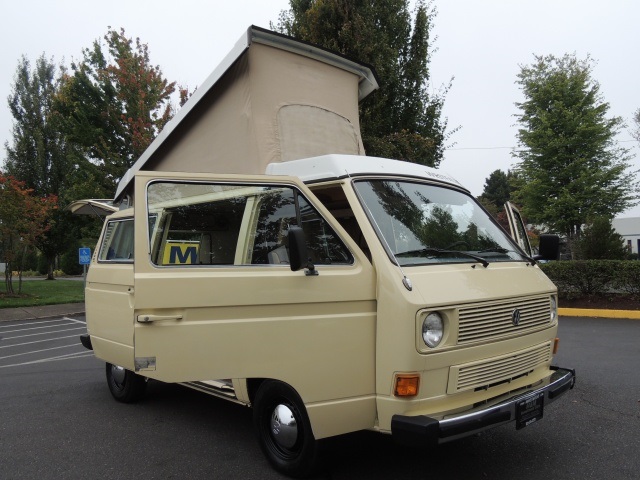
402, 119
571, 168
636, 119
497, 189
39, 154
112, 106
24, 220
600, 241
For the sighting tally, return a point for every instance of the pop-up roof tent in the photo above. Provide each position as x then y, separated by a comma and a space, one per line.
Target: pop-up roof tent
272, 99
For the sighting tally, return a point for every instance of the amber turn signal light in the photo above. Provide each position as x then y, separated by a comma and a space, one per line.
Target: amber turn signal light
556, 345
407, 385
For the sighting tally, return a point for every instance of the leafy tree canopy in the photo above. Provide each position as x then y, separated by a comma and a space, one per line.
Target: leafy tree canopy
497, 189
37, 154
571, 168
402, 119
24, 220
112, 105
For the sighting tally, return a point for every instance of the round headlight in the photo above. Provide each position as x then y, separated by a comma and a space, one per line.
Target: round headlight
554, 310
432, 329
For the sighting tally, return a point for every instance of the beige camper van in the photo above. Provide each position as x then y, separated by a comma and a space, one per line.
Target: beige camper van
259, 256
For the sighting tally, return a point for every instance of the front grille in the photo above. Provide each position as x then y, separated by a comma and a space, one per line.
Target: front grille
490, 372
488, 320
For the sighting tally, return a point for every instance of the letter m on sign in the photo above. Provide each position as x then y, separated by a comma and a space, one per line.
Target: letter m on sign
187, 256
181, 253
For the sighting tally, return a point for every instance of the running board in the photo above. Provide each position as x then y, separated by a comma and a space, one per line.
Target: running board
217, 388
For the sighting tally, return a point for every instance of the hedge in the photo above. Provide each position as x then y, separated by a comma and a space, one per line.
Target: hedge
594, 277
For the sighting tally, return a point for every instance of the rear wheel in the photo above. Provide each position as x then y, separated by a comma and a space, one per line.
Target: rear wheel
284, 430
124, 385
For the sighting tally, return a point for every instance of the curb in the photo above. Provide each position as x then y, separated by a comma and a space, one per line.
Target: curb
595, 313
41, 312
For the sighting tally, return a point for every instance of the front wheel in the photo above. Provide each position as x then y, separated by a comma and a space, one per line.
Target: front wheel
283, 429
124, 385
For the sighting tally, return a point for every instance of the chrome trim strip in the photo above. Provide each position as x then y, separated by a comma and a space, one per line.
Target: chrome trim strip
217, 388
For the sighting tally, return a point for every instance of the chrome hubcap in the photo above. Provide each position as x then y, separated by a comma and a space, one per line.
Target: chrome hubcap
118, 374
284, 427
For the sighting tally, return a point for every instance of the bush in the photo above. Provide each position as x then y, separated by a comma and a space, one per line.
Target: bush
628, 278
69, 263
594, 277
43, 266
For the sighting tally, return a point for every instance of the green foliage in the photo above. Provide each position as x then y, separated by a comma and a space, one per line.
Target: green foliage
38, 153
76, 133
594, 277
600, 241
402, 119
636, 120
497, 189
627, 278
24, 221
112, 106
571, 168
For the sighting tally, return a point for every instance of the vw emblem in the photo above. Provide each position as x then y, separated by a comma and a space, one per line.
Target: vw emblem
515, 317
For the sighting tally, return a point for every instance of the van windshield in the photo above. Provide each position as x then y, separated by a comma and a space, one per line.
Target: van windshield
426, 224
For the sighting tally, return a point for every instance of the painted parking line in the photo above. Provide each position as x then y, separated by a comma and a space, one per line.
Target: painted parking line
34, 337
44, 333
30, 352
19, 330
40, 341
69, 356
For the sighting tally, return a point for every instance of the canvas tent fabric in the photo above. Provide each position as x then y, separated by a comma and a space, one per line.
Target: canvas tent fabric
272, 99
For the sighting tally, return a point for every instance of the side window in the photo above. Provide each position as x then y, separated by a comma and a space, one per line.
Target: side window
221, 224
323, 244
117, 244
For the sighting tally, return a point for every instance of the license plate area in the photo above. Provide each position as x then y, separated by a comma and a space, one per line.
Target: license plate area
529, 410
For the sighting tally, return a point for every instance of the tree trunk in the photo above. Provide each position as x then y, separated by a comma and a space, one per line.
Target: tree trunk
8, 281
50, 267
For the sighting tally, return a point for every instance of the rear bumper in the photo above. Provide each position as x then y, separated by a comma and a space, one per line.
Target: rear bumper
423, 431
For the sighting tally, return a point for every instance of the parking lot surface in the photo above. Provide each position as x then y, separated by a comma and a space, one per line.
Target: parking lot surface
58, 420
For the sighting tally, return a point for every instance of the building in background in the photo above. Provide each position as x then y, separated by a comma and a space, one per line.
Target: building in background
629, 228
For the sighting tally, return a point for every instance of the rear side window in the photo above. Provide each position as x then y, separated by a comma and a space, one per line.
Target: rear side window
230, 224
117, 243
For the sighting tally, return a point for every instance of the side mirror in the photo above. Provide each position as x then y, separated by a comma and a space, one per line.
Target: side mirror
298, 256
549, 248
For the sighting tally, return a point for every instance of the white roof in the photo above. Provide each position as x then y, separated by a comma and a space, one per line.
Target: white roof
327, 167
629, 226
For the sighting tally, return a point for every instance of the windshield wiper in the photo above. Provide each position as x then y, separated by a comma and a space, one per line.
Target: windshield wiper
504, 250
438, 251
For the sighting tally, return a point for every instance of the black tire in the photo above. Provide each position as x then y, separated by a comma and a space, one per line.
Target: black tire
124, 385
286, 440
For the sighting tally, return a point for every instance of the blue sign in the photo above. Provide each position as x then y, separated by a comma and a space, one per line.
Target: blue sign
85, 256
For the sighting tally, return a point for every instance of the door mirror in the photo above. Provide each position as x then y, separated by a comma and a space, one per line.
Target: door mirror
549, 248
298, 256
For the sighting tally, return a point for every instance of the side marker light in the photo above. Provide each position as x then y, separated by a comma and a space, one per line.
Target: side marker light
407, 385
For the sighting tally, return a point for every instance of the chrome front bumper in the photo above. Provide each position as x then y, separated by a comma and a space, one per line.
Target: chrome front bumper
426, 431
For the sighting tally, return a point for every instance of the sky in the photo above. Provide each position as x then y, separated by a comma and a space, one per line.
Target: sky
480, 44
